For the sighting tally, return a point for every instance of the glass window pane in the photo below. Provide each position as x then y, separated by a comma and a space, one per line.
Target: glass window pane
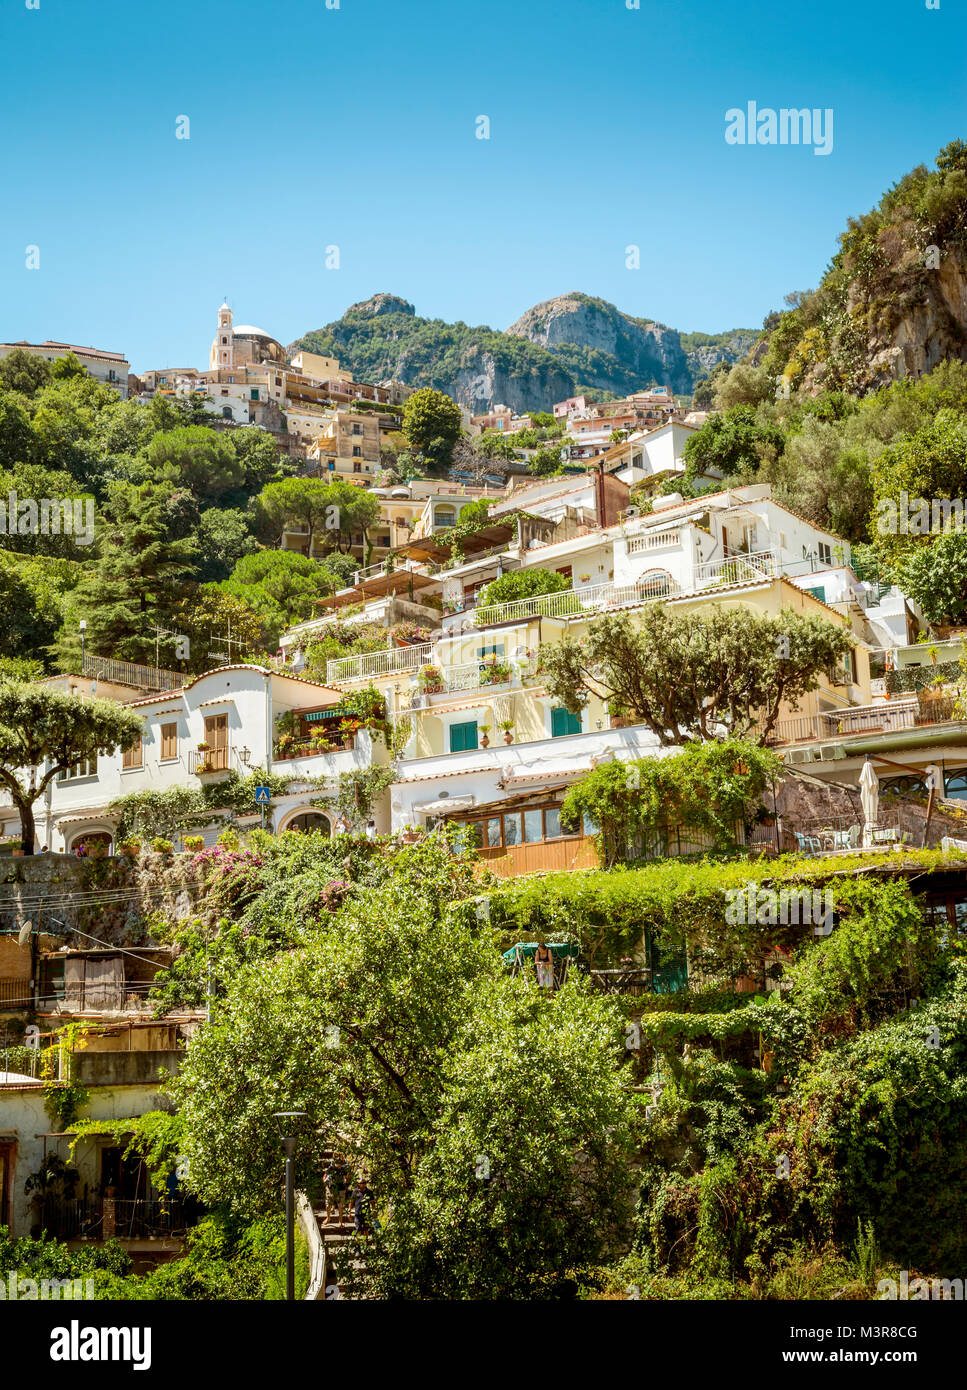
533, 827
493, 833
590, 828
512, 828
552, 823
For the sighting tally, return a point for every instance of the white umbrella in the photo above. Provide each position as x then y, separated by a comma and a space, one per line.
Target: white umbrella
869, 797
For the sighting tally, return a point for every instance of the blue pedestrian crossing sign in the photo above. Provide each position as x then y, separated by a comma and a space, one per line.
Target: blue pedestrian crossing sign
263, 796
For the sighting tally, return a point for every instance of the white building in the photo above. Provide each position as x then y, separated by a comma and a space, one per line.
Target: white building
111, 368
233, 710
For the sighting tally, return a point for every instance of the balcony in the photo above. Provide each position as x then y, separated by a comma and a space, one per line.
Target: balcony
738, 569
388, 662
856, 720
103, 1218
572, 603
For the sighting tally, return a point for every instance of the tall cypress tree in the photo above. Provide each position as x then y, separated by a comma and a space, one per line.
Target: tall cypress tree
139, 576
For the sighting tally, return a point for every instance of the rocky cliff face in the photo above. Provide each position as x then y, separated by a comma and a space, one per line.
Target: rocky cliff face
565, 344
928, 330
608, 350
481, 382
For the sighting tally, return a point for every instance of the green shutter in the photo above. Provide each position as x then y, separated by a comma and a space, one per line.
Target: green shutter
463, 737
564, 723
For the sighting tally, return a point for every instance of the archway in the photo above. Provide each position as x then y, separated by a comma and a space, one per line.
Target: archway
308, 822
89, 839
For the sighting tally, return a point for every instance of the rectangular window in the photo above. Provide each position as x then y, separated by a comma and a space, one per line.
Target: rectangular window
491, 649
87, 767
819, 592
533, 826
357, 452
169, 742
255, 393
564, 723
133, 756
825, 553
512, 828
493, 833
552, 823
463, 737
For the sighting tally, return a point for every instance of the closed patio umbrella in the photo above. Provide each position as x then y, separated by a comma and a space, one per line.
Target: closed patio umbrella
870, 799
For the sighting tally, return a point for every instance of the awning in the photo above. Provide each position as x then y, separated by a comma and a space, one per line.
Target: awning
444, 805
547, 770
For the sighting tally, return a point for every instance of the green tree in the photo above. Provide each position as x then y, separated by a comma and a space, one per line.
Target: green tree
545, 462
432, 425
732, 442
523, 584
935, 577
224, 537
44, 732
15, 434
24, 372
333, 513
926, 467
689, 675
281, 586
195, 457
398, 1032
33, 592
208, 618
710, 788
137, 578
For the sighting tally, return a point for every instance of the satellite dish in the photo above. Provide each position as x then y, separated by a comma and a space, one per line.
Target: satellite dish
23, 935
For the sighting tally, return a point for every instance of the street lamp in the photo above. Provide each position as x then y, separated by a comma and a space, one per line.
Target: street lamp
286, 1122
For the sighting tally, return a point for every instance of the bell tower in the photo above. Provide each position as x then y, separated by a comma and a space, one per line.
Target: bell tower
223, 350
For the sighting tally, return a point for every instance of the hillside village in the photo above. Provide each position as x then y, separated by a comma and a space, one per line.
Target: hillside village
372, 736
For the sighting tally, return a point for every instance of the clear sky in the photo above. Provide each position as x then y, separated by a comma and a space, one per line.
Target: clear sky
355, 127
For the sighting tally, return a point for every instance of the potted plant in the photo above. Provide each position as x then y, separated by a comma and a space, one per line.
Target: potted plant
130, 848
495, 672
193, 843
484, 732
431, 680
162, 846
18, 850
203, 747
507, 725
584, 579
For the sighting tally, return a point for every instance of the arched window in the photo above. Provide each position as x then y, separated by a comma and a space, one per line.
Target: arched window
309, 822
957, 784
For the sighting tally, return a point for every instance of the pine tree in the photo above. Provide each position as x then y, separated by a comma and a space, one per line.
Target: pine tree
139, 577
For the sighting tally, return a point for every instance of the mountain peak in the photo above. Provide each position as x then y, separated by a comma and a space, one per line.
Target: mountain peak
382, 304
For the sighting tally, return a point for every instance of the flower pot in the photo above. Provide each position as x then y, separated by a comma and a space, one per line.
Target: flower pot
484, 741
508, 738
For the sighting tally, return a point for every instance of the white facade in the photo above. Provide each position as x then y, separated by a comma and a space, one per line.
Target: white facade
244, 700
431, 787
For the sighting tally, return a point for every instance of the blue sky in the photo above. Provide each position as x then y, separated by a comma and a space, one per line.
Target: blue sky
355, 127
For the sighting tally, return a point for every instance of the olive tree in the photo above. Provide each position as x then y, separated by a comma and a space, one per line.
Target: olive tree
44, 732
692, 675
